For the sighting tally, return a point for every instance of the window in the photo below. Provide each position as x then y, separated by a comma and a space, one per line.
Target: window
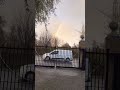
54, 52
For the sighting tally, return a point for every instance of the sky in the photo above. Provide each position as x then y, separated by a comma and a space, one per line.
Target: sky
69, 19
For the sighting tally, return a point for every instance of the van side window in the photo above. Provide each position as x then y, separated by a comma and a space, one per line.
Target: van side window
55, 52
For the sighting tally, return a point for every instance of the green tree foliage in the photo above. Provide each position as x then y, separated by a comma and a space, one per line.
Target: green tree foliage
43, 8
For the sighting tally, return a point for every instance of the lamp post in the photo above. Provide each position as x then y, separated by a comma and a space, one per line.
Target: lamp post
81, 53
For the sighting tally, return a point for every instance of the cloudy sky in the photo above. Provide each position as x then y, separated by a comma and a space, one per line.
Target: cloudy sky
70, 16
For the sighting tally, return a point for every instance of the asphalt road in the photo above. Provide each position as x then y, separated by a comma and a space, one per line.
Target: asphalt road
59, 79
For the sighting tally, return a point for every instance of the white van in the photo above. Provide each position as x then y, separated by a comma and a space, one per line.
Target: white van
59, 54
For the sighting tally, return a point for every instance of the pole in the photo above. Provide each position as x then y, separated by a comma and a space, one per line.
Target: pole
106, 70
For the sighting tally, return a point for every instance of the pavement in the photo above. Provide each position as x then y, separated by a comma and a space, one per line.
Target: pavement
47, 78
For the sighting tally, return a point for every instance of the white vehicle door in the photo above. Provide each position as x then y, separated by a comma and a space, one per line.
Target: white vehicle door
54, 54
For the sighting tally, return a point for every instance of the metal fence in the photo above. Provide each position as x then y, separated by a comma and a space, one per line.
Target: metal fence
113, 72
64, 57
95, 69
16, 68
100, 64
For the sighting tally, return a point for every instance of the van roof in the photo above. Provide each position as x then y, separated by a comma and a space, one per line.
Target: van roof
61, 50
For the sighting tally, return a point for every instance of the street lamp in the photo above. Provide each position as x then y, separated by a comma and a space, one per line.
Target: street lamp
82, 37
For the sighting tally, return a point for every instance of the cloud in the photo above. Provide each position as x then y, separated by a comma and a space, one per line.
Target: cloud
67, 33
70, 16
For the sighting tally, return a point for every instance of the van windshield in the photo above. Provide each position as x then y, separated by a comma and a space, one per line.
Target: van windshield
54, 52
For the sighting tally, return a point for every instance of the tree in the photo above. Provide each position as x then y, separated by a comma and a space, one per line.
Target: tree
46, 39
23, 27
43, 8
66, 45
22, 31
75, 46
55, 42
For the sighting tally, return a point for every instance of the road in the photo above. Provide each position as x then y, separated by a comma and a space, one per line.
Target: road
41, 62
59, 79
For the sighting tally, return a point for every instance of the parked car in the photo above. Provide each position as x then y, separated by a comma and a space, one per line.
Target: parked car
27, 72
65, 55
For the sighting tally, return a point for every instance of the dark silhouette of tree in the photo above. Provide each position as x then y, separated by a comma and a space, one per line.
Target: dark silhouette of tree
46, 39
43, 8
75, 46
66, 45
55, 42
22, 32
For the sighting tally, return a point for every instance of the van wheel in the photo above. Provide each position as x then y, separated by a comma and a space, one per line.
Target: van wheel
47, 58
67, 59
30, 76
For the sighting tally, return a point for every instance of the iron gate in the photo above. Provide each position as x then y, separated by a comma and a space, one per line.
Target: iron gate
113, 73
95, 69
100, 64
14, 64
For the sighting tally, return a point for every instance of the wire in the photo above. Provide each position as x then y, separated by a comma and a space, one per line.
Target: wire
6, 64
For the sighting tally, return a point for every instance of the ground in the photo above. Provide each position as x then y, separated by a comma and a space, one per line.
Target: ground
59, 79
10, 80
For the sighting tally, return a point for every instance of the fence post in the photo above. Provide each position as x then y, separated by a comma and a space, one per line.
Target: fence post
79, 58
106, 69
83, 59
87, 76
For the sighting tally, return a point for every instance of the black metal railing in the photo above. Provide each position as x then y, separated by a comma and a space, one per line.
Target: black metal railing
113, 72
95, 69
16, 65
100, 64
